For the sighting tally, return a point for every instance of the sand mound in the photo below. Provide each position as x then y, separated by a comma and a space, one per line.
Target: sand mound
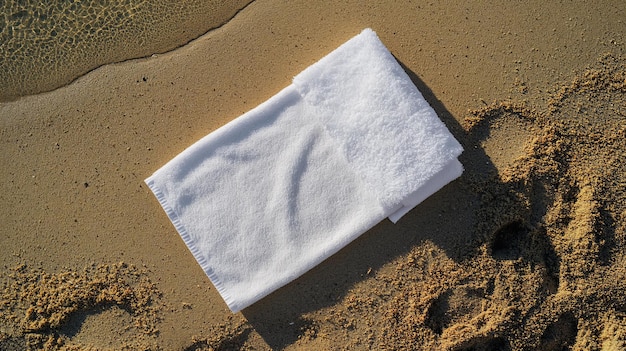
52, 311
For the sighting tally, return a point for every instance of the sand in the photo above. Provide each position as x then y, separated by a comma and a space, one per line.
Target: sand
525, 251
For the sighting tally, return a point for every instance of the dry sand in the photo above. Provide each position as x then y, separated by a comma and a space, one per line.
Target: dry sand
525, 251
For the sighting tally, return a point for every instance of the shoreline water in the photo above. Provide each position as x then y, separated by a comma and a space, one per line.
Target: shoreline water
543, 177
48, 45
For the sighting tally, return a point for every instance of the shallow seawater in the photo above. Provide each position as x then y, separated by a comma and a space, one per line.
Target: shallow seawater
47, 44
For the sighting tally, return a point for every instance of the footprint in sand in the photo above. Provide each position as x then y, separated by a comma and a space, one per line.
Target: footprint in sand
560, 335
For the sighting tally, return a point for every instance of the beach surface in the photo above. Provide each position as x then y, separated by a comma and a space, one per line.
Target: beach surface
526, 251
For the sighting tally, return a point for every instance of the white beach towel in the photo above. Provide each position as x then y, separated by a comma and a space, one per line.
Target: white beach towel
273, 193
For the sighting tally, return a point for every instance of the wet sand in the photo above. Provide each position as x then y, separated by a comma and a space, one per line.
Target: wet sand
525, 251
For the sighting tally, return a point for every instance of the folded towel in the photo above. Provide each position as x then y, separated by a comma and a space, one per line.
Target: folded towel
273, 193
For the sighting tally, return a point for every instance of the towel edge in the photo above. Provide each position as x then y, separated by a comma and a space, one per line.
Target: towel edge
182, 231
450, 172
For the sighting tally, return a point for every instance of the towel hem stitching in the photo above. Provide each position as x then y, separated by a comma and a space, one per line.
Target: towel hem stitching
182, 231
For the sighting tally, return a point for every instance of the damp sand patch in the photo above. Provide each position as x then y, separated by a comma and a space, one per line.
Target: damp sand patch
107, 306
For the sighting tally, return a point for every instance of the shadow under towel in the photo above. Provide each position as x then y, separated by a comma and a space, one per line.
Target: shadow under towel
268, 196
